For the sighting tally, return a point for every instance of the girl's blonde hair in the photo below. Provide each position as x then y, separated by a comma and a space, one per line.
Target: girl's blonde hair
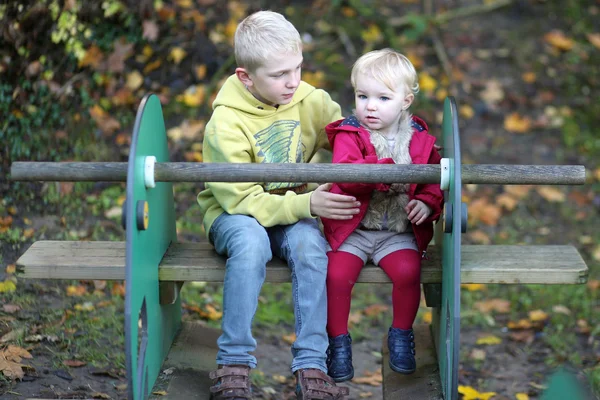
388, 67
262, 35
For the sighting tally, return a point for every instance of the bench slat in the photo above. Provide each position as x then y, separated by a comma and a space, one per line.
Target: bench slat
543, 264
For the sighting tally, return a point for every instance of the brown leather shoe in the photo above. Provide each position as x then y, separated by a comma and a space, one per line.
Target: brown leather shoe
231, 382
313, 384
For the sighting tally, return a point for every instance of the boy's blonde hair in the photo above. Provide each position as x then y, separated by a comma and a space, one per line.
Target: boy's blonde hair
262, 34
388, 67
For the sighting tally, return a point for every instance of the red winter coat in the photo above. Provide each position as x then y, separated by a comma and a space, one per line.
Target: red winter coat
351, 144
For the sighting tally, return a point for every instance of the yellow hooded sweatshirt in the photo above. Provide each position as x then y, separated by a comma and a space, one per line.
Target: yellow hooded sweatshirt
243, 129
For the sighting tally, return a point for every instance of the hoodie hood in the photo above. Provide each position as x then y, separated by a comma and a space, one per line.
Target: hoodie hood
234, 94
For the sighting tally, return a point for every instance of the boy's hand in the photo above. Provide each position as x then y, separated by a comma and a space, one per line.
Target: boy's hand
332, 205
417, 211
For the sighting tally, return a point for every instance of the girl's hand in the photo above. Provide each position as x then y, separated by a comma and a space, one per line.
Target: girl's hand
417, 211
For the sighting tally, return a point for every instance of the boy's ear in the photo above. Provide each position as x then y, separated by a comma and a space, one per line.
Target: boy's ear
244, 76
408, 101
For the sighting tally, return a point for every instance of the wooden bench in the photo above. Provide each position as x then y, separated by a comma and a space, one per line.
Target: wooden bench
154, 266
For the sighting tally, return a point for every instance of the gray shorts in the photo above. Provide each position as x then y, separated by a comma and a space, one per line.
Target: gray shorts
375, 245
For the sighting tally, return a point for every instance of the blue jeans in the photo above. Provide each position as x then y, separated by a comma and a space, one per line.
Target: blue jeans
248, 247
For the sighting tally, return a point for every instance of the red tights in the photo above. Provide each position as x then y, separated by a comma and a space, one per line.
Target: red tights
404, 269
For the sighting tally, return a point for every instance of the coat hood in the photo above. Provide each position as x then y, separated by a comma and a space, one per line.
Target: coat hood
234, 94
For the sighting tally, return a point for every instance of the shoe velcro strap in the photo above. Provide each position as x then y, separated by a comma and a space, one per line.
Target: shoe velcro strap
239, 388
229, 371
327, 391
316, 374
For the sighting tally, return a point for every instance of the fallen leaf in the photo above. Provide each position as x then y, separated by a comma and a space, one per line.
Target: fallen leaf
493, 93
514, 122
134, 80
177, 54
370, 378
507, 201
121, 52
7, 286
473, 287
200, 71
551, 193
375, 310
87, 306
480, 237
74, 363
499, 305
560, 309
518, 191
583, 326
427, 83
76, 291
11, 268
152, 66
93, 57
100, 395
10, 308
160, 393
354, 318
470, 393
558, 39
477, 354
593, 284
521, 324
489, 340
524, 336
427, 317
193, 96
15, 353
105, 122
537, 315
150, 30
280, 378
12, 335
521, 396
289, 339
594, 39
529, 77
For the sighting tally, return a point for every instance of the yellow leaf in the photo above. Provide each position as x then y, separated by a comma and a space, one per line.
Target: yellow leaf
289, 339
160, 393
466, 111
594, 39
177, 54
28, 233
200, 71
521, 324
558, 39
507, 201
76, 291
230, 28
473, 287
471, 394
521, 396
7, 286
152, 66
11, 268
134, 80
441, 94
93, 56
551, 193
490, 340
596, 253
529, 77
516, 123
316, 79
184, 3
478, 354
372, 34
537, 315
87, 306
348, 12
498, 305
12, 210
427, 83
427, 317
480, 237
193, 96
279, 378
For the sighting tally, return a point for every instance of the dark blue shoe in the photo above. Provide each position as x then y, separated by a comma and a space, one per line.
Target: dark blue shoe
339, 358
402, 350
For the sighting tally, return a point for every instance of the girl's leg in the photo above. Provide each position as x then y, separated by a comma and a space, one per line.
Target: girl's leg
404, 269
342, 272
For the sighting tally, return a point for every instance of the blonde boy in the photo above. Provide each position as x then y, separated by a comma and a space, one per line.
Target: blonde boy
265, 113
